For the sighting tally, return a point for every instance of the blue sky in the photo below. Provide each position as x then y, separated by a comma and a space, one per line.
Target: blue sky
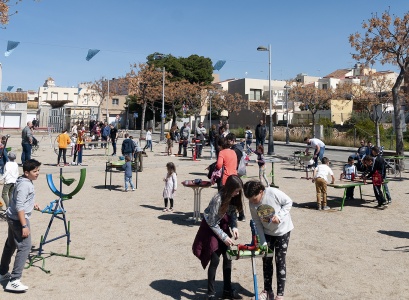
306, 36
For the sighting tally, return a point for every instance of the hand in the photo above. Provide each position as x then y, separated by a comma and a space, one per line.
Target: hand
37, 207
275, 220
228, 242
235, 233
25, 232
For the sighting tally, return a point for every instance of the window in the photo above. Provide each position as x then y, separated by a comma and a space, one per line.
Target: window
45, 96
324, 86
54, 96
65, 96
115, 101
255, 94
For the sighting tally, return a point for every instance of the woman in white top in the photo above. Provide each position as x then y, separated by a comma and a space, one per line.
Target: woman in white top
273, 229
148, 139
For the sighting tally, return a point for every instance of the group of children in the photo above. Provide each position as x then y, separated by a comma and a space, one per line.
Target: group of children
373, 167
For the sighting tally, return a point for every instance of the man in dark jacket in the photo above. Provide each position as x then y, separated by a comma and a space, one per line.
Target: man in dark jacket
261, 133
128, 147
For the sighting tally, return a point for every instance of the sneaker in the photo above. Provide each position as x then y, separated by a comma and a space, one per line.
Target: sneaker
125, 190
264, 295
5, 277
170, 210
211, 297
231, 295
326, 207
165, 209
243, 219
66, 164
133, 189
319, 207
16, 286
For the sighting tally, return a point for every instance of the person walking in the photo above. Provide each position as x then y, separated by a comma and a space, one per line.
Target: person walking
26, 142
148, 139
128, 147
127, 167
10, 177
113, 134
261, 133
79, 148
63, 141
200, 135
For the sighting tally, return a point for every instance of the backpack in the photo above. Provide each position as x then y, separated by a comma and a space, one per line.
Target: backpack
249, 135
241, 169
377, 178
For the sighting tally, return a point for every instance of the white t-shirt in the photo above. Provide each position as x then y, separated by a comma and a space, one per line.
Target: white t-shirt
10, 172
314, 142
348, 170
323, 171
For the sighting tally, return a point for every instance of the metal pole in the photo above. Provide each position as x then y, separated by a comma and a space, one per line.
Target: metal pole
107, 103
270, 134
162, 123
287, 133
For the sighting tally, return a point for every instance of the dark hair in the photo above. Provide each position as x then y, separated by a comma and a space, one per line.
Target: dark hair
325, 160
231, 137
306, 138
367, 158
260, 149
126, 135
171, 166
222, 143
127, 158
30, 165
233, 183
375, 149
252, 188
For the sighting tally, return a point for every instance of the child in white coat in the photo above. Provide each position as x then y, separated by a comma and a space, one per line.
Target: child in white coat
171, 185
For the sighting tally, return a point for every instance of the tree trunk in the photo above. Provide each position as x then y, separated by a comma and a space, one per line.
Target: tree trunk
143, 118
154, 120
396, 113
313, 123
378, 134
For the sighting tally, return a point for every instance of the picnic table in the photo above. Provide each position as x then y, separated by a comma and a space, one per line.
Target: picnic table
117, 165
346, 184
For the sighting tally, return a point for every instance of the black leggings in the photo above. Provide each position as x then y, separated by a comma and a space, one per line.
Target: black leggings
211, 272
279, 244
171, 202
64, 155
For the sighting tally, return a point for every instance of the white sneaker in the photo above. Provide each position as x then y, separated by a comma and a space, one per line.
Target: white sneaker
133, 189
264, 295
16, 286
6, 276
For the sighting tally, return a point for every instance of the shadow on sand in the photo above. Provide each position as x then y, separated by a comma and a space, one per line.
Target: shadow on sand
192, 289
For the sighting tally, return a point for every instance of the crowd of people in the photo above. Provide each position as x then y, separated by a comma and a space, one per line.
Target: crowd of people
218, 228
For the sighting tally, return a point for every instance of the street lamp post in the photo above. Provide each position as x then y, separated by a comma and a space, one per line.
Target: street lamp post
270, 150
107, 103
162, 122
287, 132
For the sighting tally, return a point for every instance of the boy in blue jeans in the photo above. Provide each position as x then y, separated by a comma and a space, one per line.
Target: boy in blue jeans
18, 219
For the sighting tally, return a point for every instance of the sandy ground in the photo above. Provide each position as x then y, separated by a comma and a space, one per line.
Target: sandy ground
133, 250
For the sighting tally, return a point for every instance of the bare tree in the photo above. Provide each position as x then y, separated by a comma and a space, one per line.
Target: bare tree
311, 98
386, 40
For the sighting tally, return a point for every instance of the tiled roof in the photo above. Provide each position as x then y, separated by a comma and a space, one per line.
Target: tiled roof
14, 97
340, 73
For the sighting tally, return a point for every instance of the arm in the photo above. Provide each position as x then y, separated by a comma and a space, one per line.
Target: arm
333, 179
219, 163
175, 182
212, 219
233, 221
286, 204
317, 150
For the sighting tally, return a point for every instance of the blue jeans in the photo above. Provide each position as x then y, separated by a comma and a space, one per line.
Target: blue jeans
80, 154
26, 155
320, 155
128, 179
260, 142
114, 147
148, 145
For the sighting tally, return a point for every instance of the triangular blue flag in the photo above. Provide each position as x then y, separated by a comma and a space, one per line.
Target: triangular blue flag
9, 88
11, 45
79, 90
91, 53
219, 65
